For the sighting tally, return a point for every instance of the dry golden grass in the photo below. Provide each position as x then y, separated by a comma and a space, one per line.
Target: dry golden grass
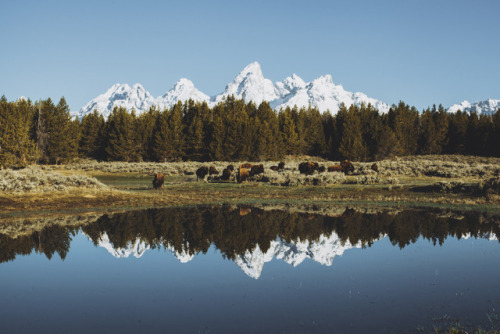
402, 181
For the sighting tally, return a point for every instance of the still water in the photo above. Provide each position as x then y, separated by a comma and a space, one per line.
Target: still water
246, 270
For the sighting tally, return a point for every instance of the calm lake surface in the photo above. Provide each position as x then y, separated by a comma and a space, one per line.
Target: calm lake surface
246, 270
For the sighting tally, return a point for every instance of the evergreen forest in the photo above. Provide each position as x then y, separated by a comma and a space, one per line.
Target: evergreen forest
44, 132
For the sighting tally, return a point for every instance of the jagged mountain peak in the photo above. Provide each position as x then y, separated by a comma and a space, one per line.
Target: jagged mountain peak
487, 107
250, 85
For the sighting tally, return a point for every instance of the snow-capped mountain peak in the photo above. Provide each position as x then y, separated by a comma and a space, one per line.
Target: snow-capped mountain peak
119, 95
250, 85
182, 91
487, 107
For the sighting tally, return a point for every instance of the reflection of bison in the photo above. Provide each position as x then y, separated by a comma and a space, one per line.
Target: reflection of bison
256, 169
158, 181
242, 175
213, 171
226, 174
201, 173
375, 167
345, 167
308, 167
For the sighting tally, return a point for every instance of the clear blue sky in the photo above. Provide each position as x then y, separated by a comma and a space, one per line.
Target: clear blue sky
421, 52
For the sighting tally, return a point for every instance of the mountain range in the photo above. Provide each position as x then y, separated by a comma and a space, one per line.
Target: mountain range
251, 85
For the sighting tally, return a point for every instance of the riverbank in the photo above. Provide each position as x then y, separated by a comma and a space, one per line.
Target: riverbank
453, 181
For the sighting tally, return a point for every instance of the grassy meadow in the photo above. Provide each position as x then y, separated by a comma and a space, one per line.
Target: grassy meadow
462, 182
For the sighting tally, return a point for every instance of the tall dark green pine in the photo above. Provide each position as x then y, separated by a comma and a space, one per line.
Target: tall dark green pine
289, 136
17, 149
175, 134
120, 142
144, 127
494, 147
63, 134
194, 131
92, 131
161, 148
403, 120
351, 141
371, 128
457, 131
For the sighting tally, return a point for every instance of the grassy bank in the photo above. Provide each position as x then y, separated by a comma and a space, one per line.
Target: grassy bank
453, 181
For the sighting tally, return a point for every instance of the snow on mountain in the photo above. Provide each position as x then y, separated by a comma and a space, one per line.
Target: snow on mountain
487, 107
137, 249
119, 95
250, 85
322, 251
182, 91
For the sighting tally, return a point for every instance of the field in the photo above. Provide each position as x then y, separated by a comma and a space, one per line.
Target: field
461, 182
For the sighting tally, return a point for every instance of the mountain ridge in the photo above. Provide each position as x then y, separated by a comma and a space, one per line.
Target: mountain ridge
249, 85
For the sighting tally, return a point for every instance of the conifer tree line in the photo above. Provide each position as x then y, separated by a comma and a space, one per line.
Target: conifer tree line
233, 130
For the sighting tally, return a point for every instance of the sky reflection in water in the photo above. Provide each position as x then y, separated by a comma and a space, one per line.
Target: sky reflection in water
227, 285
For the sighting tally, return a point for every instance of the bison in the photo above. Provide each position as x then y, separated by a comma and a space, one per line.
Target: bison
281, 165
242, 175
246, 165
321, 169
158, 181
345, 167
274, 168
256, 169
226, 174
201, 173
374, 167
213, 171
308, 167
230, 167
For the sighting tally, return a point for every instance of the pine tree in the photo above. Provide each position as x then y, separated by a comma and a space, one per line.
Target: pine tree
194, 131
17, 149
404, 122
351, 141
175, 134
120, 142
92, 131
161, 148
289, 136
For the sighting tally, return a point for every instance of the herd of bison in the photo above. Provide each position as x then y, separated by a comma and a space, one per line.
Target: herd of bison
247, 170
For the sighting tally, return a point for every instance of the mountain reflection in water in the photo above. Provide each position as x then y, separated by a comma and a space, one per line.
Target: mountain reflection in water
249, 236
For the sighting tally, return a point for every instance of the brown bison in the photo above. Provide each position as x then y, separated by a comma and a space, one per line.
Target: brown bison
256, 169
374, 167
226, 174
213, 171
345, 167
321, 169
242, 175
246, 165
230, 167
201, 173
308, 167
274, 168
158, 181
245, 211
281, 166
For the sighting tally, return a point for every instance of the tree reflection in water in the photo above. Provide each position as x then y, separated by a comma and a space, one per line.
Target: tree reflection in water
193, 230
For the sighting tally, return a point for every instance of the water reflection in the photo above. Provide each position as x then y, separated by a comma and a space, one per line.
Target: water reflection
250, 236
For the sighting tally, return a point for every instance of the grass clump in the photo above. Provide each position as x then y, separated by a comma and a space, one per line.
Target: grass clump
35, 179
